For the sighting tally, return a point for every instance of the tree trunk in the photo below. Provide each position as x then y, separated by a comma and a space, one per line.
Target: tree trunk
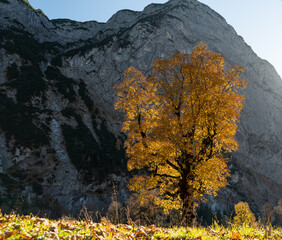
188, 204
188, 212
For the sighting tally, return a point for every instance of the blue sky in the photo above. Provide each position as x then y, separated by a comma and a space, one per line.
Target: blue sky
259, 22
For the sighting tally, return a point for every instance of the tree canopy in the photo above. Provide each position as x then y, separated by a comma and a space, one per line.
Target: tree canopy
180, 122
244, 215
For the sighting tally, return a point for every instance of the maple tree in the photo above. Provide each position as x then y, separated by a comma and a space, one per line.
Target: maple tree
180, 122
244, 215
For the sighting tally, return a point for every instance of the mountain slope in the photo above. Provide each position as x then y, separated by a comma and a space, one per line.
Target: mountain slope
60, 136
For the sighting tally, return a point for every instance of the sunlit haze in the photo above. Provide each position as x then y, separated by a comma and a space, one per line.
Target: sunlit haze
259, 22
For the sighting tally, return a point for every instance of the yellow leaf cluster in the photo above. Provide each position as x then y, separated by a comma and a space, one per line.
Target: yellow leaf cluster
244, 215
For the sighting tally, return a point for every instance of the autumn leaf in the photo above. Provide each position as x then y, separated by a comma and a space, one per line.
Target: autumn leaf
26, 236
140, 233
7, 234
236, 236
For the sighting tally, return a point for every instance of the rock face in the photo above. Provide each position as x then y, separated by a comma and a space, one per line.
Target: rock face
60, 140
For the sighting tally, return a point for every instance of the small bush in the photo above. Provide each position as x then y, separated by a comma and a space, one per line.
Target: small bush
244, 216
62, 83
68, 112
4, 1
23, 44
17, 120
29, 82
12, 72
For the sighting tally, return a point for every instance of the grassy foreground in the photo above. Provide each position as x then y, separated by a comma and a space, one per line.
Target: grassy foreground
31, 227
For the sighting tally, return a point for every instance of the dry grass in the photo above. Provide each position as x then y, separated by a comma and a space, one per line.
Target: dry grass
31, 227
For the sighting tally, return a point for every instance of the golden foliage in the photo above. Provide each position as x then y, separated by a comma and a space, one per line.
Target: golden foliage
179, 122
244, 215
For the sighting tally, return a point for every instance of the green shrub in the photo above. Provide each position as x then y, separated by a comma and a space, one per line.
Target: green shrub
16, 120
62, 83
12, 72
64, 21
37, 188
83, 150
28, 83
26, 46
68, 112
4, 1
57, 61
52, 47
89, 156
23, 44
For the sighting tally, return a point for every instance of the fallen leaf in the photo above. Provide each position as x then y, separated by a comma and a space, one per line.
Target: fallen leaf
151, 229
88, 236
76, 237
26, 236
52, 229
140, 233
95, 235
53, 235
63, 226
101, 233
128, 227
7, 234
235, 236
39, 220
17, 226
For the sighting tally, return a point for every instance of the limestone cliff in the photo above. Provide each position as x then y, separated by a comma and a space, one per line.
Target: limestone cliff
59, 134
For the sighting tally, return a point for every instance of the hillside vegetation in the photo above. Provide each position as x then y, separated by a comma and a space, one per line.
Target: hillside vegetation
31, 227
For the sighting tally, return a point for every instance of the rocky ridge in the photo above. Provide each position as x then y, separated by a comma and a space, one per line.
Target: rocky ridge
56, 83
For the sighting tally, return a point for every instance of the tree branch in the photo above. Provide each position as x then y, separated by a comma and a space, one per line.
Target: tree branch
173, 165
167, 176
